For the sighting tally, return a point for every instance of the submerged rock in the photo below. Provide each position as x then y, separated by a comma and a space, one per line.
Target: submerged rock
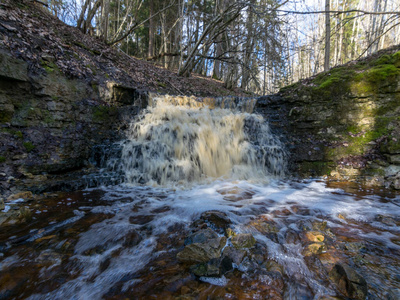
229, 233
16, 215
314, 248
209, 269
201, 236
349, 282
202, 252
217, 220
273, 267
243, 240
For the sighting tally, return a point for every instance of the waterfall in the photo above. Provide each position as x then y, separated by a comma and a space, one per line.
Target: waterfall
180, 140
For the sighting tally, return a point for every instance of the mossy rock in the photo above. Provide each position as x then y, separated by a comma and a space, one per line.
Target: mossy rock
393, 59
396, 59
369, 81
334, 83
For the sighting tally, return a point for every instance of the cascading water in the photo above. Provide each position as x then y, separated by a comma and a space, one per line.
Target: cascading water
230, 231
182, 140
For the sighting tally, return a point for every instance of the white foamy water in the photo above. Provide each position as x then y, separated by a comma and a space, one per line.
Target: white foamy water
172, 144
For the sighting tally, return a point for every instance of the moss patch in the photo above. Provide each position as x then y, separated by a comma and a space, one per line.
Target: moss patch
28, 146
6, 116
2, 159
334, 83
381, 73
358, 141
50, 67
161, 84
19, 134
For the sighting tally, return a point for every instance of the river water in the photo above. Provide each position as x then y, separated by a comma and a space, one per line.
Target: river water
183, 165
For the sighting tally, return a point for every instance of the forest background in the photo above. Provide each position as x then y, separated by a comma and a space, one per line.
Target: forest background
258, 45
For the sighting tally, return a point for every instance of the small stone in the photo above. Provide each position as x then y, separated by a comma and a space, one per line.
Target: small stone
236, 255
243, 240
320, 226
315, 248
45, 238
314, 236
26, 195
354, 247
49, 258
389, 221
24, 214
229, 233
305, 225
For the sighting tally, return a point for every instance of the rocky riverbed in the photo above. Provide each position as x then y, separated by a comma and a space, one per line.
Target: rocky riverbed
230, 240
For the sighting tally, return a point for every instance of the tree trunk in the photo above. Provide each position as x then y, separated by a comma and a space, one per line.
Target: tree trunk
327, 36
152, 29
104, 20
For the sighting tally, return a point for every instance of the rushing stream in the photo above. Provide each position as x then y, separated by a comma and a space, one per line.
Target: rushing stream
210, 180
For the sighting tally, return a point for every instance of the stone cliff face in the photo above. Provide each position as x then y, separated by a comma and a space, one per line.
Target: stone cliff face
49, 123
344, 123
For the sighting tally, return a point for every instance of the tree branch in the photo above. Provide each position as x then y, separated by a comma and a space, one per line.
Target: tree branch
116, 41
338, 12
